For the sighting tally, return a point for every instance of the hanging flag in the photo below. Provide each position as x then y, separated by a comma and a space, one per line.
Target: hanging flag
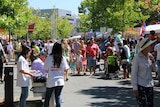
143, 29
31, 27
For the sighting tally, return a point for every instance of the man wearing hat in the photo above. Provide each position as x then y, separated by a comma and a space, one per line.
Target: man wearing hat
141, 75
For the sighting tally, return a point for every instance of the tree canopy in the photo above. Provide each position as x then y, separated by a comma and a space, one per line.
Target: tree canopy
13, 14
16, 15
117, 14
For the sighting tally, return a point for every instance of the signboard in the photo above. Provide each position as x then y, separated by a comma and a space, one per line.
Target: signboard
31, 27
102, 29
109, 30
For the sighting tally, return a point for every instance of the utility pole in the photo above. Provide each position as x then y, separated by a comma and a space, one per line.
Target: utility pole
54, 23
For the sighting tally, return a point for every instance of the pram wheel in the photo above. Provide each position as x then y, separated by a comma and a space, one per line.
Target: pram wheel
108, 76
116, 76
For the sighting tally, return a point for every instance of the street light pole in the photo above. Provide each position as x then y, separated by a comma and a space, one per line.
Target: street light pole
54, 24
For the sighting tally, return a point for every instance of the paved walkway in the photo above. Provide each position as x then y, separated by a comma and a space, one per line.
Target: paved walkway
92, 91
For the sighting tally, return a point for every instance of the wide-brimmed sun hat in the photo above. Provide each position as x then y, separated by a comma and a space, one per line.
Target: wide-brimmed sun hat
144, 43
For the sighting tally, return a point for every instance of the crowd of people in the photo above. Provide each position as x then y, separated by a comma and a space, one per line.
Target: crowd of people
57, 59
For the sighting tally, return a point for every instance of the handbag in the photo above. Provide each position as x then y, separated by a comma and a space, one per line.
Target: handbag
41, 79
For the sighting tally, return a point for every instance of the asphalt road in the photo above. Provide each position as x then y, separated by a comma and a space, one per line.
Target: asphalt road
92, 91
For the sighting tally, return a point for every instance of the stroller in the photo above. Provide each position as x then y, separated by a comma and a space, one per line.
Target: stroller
39, 85
112, 67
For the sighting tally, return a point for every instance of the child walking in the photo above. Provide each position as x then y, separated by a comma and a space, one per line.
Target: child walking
79, 61
72, 62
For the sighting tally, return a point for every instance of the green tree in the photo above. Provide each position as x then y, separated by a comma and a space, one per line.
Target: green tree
84, 22
13, 14
42, 28
151, 8
116, 14
64, 28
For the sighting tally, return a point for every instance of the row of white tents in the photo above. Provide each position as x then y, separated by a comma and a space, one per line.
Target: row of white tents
155, 27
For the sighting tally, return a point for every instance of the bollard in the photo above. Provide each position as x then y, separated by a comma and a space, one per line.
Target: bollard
8, 78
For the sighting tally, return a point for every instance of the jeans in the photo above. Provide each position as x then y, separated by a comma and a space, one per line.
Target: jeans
24, 95
158, 64
57, 90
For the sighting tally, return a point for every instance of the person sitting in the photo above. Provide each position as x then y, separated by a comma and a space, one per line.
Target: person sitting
38, 63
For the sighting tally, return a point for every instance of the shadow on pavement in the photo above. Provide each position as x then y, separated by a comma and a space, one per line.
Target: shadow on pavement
116, 96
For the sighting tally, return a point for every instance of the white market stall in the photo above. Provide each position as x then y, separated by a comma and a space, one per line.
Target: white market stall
74, 37
155, 27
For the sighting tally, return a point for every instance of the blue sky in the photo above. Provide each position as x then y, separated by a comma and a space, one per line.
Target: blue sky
71, 5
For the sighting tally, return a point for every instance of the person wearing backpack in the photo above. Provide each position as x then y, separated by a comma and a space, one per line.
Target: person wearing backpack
124, 53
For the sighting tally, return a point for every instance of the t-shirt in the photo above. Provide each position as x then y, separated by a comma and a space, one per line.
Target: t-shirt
76, 45
157, 48
153, 37
112, 60
9, 48
18, 46
92, 50
49, 47
55, 75
127, 51
123, 54
22, 79
38, 64
118, 38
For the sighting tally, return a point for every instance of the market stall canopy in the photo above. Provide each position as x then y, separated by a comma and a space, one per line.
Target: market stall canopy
74, 37
132, 32
155, 27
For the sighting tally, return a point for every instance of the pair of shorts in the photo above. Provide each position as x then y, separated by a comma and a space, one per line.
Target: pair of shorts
91, 61
125, 66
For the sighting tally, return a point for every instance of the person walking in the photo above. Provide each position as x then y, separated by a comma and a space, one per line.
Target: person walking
56, 66
23, 74
66, 52
10, 51
92, 51
79, 58
124, 59
141, 75
82, 47
3, 58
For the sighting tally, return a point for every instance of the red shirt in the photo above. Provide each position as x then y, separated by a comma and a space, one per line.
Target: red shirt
92, 50
153, 37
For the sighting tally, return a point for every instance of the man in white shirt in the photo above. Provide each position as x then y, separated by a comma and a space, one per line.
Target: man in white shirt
9, 50
49, 47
